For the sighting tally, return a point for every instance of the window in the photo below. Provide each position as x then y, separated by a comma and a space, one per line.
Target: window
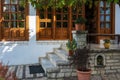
76, 13
62, 17
14, 17
105, 20
45, 18
105, 15
57, 24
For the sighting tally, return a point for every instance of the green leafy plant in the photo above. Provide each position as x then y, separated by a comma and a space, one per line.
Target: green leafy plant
80, 20
106, 41
71, 45
62, 3
81, 59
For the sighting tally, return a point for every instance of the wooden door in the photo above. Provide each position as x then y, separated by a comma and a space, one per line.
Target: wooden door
57, 24
53, 24
106, 19
61, 28
45, 28
13, 24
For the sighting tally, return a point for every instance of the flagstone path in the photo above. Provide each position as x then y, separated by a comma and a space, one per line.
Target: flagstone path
23, 73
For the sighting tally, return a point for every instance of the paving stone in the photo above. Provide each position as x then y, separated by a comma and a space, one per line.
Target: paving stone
118, 76
59, 79
67, 74
66, 70
39, 74
11, 68
74, 74
60, 76
105, 77
19, 72
96, 77
27, 72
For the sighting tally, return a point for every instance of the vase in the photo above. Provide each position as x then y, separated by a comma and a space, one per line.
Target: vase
107, 45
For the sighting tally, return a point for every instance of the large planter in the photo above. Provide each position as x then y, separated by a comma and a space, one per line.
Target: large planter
107, 45
84, 75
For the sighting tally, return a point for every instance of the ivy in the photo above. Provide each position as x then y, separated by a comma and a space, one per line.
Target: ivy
62, 3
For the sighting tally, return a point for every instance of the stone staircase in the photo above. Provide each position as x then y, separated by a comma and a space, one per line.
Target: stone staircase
56, 64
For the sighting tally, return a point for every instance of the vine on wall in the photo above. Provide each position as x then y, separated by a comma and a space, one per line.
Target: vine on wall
61, 3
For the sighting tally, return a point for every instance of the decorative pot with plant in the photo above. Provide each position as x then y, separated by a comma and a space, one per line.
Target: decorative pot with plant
106, 43
81, 61
79, 23
71, 46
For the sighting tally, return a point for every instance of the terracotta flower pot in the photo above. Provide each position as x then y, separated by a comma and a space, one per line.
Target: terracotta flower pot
84, 75
70, 52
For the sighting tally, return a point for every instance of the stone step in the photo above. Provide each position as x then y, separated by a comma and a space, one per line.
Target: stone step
63, 46
55, 59
61, 53
48, 66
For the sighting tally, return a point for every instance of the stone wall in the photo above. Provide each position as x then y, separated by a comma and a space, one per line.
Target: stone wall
80, 37
101, 60
111, 61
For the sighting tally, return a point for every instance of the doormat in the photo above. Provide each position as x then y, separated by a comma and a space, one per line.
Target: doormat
36, 69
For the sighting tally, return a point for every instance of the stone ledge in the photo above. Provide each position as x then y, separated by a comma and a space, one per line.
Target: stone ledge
10, 43
104, 50
51, 42
79, 32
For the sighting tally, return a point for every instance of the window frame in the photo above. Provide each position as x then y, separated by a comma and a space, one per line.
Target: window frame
67, 30
14, 33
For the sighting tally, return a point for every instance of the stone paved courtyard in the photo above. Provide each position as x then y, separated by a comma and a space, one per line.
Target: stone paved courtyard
23, 73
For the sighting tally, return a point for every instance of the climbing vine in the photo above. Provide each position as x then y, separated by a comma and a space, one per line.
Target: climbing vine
61, 3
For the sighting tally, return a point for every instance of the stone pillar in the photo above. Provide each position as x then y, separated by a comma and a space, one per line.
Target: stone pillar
80, 37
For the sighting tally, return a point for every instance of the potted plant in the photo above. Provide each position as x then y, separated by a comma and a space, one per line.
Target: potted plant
80, 60
71, 46
106, 43
79, 23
